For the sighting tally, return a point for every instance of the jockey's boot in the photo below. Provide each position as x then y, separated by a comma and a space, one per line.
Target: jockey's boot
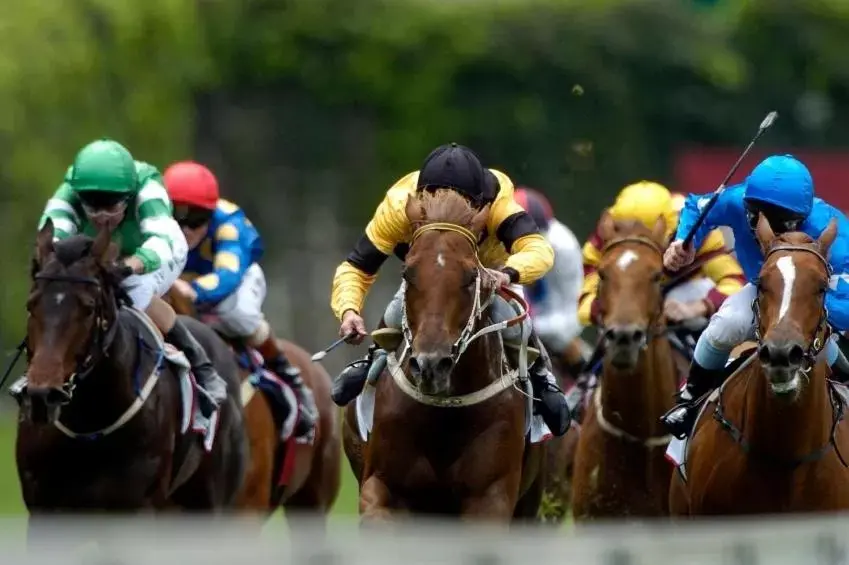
350, 382
549, 399
679, 421
276, 360
214, 388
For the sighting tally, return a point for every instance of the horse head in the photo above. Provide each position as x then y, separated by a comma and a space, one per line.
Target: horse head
442, 280
790, 313
629, 287
73, 307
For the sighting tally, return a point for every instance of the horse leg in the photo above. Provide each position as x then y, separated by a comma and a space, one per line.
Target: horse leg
375, 500
496, 503
679, 504
529, 506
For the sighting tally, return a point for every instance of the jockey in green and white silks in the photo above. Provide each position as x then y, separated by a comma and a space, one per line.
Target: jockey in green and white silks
105, 188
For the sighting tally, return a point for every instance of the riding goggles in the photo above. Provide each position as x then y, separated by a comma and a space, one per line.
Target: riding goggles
191, 217
96, 203
781, 221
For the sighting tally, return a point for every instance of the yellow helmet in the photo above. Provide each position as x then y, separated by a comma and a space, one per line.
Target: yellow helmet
645, 202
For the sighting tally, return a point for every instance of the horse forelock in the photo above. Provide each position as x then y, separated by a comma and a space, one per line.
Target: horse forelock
446, 206
75, 249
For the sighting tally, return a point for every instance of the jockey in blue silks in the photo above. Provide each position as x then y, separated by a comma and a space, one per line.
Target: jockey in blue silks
780, 188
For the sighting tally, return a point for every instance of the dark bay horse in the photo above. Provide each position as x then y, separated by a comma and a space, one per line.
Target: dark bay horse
448, 435
100, 421
773, 438
620, 467
313, 483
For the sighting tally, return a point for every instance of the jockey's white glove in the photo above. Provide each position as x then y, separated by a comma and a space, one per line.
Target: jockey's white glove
677, 256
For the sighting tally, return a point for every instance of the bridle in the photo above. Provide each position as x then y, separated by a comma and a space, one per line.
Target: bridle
821, 333
101, 339
656, 326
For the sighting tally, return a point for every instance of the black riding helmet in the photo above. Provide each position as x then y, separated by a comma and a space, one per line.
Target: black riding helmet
780, 219
458, 168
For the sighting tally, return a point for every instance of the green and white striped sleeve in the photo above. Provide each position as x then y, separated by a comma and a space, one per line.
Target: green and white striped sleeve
158, 228
60, 208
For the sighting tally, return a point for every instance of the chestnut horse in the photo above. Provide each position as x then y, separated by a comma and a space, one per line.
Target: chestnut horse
620, 467
448, 433
777, 440
101, 410
313, 484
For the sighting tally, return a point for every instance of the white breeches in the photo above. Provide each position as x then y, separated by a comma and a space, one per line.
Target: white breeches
240, 314
142, 288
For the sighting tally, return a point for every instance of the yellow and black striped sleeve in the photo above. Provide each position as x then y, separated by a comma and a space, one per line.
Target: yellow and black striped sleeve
387, 229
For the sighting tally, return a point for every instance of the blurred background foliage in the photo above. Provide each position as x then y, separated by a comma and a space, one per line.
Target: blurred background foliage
309, 109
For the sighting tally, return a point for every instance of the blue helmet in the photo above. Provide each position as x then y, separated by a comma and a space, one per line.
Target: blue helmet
782, 183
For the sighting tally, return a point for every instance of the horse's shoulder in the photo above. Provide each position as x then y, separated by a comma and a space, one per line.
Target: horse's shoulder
141, 324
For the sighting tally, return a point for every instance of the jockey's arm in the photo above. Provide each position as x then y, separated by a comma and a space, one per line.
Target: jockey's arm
716, 217
386, 230
722, 268
559, 324
531, 256
588, 305
62, 210
158, 228
230, 263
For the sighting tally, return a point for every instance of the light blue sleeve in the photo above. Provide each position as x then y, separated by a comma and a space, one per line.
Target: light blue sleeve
837, 299
730, 199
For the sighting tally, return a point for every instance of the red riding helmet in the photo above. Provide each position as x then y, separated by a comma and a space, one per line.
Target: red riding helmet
537, 205
191, 184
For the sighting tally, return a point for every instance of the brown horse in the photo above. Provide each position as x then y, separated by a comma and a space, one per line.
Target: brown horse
448, 433
620, 468
777, 440
100, 423
313, 481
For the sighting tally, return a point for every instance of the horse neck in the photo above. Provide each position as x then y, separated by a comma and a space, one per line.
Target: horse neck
476, 368
636, 398
787, 429
105, 393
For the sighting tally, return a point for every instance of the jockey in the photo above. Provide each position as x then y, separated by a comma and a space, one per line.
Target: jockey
553, 299
513, 243
226, 279
105, 188
780, 188
700, 291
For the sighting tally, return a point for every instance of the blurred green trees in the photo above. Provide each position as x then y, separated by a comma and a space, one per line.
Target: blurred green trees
575, 97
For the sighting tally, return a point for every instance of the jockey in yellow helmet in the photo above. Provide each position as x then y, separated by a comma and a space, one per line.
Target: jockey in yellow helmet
700, 292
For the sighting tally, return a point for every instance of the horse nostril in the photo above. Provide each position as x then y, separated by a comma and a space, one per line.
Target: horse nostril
444, 365
609, 334
797, 354
639, 336
781, 354
415, 367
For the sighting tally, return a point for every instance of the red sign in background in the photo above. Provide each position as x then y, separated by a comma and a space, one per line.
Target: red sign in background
702, 169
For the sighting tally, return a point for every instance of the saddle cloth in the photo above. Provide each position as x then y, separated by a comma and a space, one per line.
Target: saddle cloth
535, 429
284, 403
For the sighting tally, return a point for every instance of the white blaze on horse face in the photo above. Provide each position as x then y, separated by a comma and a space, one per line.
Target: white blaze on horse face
626, 259
788, 273
60, 296
440, 260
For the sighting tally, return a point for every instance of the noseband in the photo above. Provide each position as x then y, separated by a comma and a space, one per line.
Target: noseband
820, 338
104, 332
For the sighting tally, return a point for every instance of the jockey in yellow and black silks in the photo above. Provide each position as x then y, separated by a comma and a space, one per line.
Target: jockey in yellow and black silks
513, 251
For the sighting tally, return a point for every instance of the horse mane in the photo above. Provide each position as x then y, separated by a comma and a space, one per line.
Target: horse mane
78, 247
446, 206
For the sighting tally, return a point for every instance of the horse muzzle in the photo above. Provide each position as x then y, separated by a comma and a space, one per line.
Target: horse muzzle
50, 395
623, 344
782, 362
432, 372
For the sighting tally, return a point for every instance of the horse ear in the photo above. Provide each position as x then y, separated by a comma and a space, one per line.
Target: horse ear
658, 233
607, 227
103, 249
415, 210
828, 236
764, 233
480, 219
44, 242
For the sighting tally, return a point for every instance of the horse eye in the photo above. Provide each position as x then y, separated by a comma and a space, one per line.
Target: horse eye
469, 279
657, 277
601, 275
408, 274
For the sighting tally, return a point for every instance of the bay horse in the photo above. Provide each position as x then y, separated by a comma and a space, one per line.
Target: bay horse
101, 409
775, 439
313, 482
620, 467
448, 435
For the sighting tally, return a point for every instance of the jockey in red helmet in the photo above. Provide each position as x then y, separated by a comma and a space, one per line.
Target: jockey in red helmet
226, 279
554, 298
